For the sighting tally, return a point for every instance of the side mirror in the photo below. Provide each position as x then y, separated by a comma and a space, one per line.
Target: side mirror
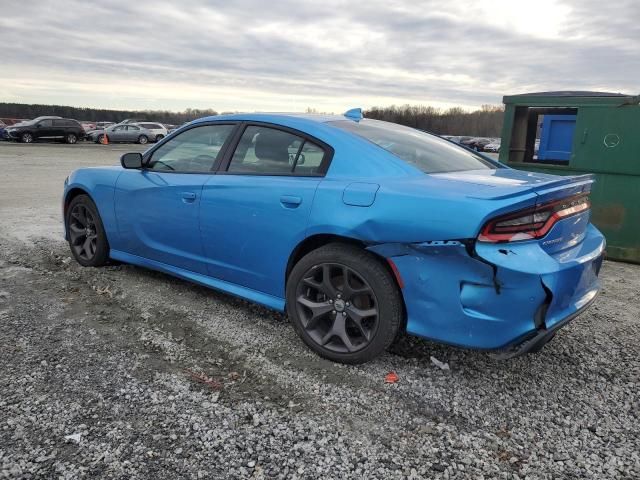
131, 160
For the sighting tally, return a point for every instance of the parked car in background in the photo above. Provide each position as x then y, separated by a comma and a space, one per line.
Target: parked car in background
98, 126
476, 143
46, 128
128, 133
458, 139
493, 147
158, 130
358, 229
126, 121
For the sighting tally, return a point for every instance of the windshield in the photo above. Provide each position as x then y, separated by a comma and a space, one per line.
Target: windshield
429, 153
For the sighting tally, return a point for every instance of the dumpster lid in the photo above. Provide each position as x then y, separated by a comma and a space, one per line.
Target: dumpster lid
571, 97
571, 93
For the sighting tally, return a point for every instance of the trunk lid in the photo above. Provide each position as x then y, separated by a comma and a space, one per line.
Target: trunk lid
505, 182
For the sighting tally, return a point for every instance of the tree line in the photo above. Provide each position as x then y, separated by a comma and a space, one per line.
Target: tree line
486, 122
20, 110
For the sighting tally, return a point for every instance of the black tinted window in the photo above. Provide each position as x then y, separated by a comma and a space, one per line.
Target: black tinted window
194, 150
45, 123
429, 153
268, 151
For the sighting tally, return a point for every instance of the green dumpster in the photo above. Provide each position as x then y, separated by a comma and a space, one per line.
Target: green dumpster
570, 133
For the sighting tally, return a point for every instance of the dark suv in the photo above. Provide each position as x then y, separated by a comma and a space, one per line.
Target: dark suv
46, 128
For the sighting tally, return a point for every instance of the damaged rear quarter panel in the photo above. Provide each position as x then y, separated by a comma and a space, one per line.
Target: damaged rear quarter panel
455, 298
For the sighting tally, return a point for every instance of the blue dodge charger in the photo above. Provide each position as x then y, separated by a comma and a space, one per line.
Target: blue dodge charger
358, 229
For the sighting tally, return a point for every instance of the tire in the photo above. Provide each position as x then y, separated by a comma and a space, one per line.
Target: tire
159, 137
370, 288
26, 137
100, 139
71, 138
143, 140
85, 233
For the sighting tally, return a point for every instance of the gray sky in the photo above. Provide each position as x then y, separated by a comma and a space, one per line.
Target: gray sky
330, 55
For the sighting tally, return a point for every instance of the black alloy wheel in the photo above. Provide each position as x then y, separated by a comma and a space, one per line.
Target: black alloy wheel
82, 232
85, 233
337, 307
26, 138
344, 303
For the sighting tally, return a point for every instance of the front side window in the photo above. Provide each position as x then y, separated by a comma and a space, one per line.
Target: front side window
429, 153
133, 128
119, 128
194, 150
268, 151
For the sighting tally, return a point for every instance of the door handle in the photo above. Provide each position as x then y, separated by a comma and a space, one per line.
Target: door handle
188, 197
290, 201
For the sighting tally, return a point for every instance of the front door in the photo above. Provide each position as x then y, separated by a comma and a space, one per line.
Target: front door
255, 212
158, 207
117, 133
45, 129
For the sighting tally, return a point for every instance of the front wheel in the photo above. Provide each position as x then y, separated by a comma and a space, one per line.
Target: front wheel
85, 232
142, 140
159, 137
26, 138
344, 303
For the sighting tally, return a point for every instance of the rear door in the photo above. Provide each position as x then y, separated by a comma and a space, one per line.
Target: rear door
256, 210
132, 133
158, 207
59, 128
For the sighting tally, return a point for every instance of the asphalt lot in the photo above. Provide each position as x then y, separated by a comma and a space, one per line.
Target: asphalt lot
121, 372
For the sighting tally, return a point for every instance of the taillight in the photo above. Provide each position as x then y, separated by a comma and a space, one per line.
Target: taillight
532, 222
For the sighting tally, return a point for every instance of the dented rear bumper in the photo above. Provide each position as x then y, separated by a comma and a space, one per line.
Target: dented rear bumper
495, 296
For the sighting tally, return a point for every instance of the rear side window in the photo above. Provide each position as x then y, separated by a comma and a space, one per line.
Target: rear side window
429, 153
269, 151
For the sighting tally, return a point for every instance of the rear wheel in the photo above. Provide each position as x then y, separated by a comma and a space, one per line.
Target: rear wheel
159, 137
142, 140
26, 138
85, 232
71, 138
344, 303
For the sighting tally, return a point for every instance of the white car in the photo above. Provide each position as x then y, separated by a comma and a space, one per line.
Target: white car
158, 130
492, 147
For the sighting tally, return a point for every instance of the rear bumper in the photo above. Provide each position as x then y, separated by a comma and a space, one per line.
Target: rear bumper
539, 338
498, 297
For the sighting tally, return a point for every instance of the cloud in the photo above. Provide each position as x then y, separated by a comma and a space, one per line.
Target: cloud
330, 54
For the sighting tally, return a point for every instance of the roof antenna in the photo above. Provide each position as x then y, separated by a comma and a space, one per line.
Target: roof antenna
354, 114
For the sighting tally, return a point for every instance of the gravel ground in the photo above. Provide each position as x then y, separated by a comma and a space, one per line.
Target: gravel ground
122, 372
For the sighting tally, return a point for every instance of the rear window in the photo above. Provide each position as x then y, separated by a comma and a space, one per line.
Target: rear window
427, 152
